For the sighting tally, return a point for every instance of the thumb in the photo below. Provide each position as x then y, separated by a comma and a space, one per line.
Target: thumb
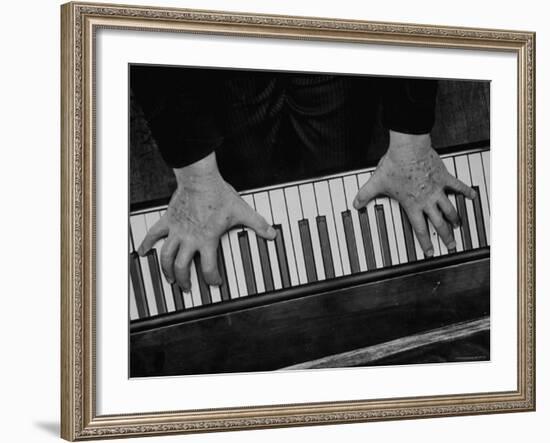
158, 230
367, 192
250, 218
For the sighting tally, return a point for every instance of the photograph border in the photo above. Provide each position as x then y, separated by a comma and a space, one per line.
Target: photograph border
79, 23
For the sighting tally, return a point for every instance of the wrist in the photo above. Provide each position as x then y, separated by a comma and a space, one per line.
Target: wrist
203, 171
414, 143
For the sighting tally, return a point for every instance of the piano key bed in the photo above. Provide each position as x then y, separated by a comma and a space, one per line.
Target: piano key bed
319, 237
323, 244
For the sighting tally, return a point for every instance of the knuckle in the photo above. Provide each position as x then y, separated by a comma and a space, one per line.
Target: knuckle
439, 225
208, 268
165, 256
452, 215
422, 233
180, 267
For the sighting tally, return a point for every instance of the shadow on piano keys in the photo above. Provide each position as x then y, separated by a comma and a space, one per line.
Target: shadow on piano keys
335, 287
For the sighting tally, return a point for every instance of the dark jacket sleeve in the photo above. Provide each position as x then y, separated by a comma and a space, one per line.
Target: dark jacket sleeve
409, 105
182, 110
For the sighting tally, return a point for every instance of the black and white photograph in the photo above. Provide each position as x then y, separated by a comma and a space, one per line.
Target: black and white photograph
306, 220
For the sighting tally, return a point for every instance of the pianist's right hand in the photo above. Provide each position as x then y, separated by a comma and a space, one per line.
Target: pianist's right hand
203, 207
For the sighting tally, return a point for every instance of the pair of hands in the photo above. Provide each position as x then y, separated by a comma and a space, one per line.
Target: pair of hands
204, 206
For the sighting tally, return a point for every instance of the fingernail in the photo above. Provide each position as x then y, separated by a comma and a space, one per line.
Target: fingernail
171, 280
356, 204
456, 225
271, 232
451, 245
429, 253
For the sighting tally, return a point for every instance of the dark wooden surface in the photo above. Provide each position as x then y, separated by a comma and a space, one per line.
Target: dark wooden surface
473, 348
440, 340
462, 116
288, 332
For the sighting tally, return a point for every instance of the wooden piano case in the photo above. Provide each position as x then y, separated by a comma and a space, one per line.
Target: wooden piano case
288, 327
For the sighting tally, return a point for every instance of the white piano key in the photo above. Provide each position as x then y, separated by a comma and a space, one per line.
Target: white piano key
442, 247
399, 234
364, 178
139, 230
450, 165
150, 219
351, 188
456, 231
324, 204
263, 206
434, 238
238, 262
463, 174
417, 247
187, 299
486, 160
254, 252
215, 294
478, 179
390, 227
195, 291
309, 206
133, 305
280, 217
338, 200
295, 214
229, 266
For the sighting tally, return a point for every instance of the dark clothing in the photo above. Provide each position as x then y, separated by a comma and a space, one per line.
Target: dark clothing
269, 127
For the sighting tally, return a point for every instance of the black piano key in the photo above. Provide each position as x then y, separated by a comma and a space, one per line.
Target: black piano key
204, 289
282, 257
139, 288
156, 279
307, 247
481, 235
367, 238
178, 297
383, 235
224, 287
464, 225
248, 267
326, 251
409, 236
265, 263
350, 241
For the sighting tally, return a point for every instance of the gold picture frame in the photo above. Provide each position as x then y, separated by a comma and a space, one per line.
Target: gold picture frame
80, 21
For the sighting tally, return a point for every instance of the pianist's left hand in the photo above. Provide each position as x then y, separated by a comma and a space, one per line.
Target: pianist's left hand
203, 207
412, 173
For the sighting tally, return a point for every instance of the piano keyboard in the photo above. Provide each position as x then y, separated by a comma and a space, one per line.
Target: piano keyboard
320, 236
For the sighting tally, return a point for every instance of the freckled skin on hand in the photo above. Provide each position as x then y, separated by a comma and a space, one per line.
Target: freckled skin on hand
201, 210
415, 176
195, 216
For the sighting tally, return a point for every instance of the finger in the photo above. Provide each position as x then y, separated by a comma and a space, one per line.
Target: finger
249, 217
158, 230
448, 210
441, 226
182, 265
368, 191
456, 185
209, 266
167, 257
418, 223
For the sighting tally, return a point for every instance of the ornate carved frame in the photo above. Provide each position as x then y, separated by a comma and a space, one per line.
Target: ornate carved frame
79, 420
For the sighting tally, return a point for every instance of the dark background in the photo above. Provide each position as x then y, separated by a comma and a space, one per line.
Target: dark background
462, 116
